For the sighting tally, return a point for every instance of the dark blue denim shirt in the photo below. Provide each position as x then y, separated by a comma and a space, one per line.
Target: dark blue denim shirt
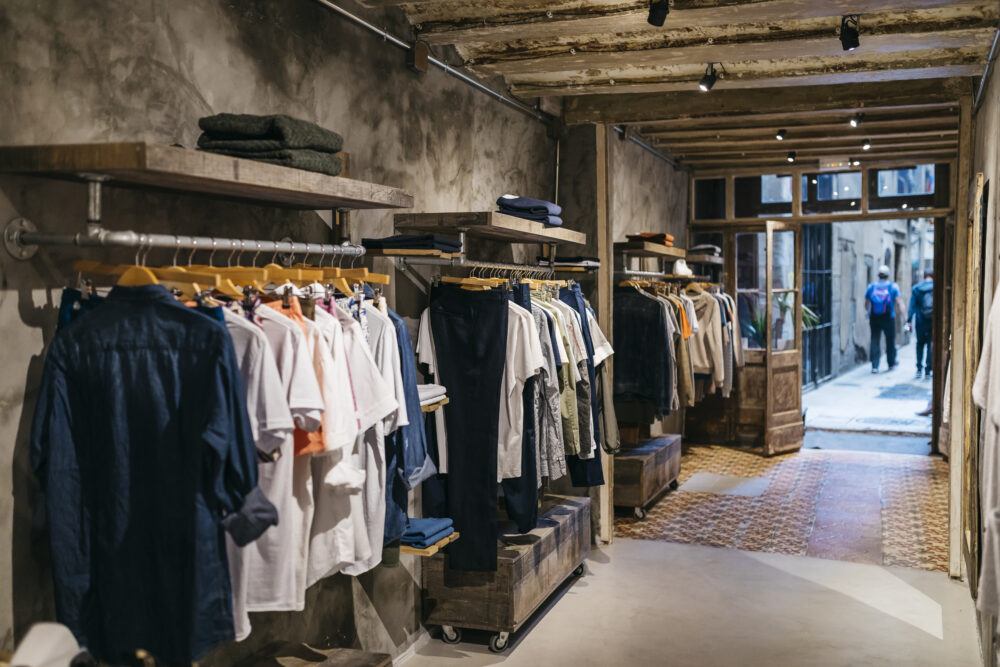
143, 449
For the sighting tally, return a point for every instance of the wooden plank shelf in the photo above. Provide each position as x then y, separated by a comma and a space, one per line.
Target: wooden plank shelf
489, 224
573, 269
411, 252
647, 249
433, 407
704, 259
432, 549
157, 166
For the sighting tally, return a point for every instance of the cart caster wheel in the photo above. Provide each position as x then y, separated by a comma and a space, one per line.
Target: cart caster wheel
639, 513
450, 635
674, 484
499, 643
580, 569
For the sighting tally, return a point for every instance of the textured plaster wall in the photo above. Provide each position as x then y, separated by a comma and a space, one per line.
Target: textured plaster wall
146, 70
987, 161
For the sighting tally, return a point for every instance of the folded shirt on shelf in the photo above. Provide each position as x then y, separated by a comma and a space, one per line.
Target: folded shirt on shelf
538, 210
414, 242
430, 393
423, 528
429, 541
651, 237
707, 249
250, 133
308, 160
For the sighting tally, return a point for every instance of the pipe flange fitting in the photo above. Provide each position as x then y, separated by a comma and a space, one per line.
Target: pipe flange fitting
12, 239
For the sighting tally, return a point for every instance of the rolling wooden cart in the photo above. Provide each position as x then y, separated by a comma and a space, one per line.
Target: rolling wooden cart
645, 472
530, 568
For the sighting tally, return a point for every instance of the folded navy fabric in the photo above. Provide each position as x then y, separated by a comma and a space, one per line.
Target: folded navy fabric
424, 542
249, 133
550, 220
528, 205
414, 242
423, 528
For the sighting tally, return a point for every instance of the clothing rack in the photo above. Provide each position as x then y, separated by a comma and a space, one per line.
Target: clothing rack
404, 263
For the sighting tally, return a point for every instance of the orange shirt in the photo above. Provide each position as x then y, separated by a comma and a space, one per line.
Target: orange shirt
682, 316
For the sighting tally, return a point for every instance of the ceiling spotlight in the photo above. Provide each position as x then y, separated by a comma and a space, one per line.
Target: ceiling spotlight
791, 156
658, 10
866, 144
856, 120
849, 37
856, 163
709, 79
780, 136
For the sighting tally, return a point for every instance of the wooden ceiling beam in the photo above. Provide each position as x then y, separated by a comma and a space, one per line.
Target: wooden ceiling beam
852, 150
795, 142
639, 108
770, 130
919, 155
799, 118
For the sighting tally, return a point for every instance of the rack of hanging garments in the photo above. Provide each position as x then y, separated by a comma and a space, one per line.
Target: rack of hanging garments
535, 404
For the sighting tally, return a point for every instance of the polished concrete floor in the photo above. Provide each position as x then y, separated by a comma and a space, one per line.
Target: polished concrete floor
658, 603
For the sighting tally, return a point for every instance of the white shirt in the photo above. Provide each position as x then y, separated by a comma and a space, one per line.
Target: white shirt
986, 394
426, 355
524, 359
602, 347
272, 426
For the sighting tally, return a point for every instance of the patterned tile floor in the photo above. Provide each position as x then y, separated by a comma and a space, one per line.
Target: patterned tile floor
864, 507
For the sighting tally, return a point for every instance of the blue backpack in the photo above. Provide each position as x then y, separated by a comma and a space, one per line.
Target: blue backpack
881, 298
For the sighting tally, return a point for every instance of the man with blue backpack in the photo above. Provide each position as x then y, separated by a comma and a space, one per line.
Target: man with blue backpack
880, 302
921, 314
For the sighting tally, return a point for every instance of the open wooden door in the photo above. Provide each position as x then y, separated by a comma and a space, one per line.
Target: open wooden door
784, 426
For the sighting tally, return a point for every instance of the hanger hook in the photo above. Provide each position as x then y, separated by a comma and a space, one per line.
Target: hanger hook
239, 257
194, 249
149, 246
138, 249
291, 252
232, 251
177, 249
305, 260
256, 255
211, 255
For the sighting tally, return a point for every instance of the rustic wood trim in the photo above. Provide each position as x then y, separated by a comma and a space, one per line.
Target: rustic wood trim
646, 249
489, 224
754, 118
703, 225
945, 124
761, 170
605, 295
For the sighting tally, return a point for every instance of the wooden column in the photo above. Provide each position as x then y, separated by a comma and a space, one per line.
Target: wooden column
961, 369
602, 497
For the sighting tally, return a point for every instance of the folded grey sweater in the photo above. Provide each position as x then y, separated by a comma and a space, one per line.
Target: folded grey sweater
245, 132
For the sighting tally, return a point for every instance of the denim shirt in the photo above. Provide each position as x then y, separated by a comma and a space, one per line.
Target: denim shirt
144, 453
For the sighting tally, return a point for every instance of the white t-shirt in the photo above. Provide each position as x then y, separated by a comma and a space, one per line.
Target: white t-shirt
986, 395
426, 355
276, 562
385, 350
338, 394
524, 359
602, 347
271, 424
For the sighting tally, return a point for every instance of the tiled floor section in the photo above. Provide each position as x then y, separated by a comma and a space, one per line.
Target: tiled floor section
863, 507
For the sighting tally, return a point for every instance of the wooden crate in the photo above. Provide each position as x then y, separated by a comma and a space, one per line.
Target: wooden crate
643, 473
530, 567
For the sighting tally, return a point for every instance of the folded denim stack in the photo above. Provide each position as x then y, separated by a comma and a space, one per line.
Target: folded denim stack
575, 261
414, 242
424, 533
431, 393
652, 237
538, 210
276, 139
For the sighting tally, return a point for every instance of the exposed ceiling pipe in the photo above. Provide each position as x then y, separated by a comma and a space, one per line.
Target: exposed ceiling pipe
389, 37
986, 73
651, 149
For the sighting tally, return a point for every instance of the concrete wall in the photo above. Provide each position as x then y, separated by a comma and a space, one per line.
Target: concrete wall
146, 70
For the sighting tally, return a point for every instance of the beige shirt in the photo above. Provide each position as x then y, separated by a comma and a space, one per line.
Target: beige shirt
706, 344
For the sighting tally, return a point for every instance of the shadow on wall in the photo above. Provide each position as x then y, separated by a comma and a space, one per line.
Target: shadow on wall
378, 611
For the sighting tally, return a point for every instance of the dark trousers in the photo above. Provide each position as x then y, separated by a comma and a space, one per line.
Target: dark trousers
883, 324
470, 341
521, 495
585, 472
925, 339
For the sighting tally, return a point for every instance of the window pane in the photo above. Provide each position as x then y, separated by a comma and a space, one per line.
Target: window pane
774, 189
783, 312
710, 198
783, 270
917, 180
763, 196
753, 319
751, 261
838, 192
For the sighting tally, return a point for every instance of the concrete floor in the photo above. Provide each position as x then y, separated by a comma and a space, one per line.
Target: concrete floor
867, 442
657, 603
883, 403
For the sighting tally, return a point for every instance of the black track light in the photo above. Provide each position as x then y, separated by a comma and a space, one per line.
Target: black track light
658, 10
791, 156
855, 162
849, 36
709, 79
780, 136
866, 145
856, 119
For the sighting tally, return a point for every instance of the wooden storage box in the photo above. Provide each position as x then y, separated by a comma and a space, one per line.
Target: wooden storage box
530, 567
643, 473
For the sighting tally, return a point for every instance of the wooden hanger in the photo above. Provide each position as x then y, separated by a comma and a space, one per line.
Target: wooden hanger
132, 275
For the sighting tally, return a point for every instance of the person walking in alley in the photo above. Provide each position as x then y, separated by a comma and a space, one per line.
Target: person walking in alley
921, 315
880, 302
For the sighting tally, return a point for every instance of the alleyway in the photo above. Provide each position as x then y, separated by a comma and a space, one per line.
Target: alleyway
884, 404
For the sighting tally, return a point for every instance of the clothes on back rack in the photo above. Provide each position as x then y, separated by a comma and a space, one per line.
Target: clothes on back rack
306, 452
414, 242
538, 210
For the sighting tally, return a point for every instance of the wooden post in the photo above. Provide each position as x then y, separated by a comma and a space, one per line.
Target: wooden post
603, 496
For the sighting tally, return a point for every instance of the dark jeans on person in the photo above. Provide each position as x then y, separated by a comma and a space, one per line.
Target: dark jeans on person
521, 495
925, 338
883, 324
470, 340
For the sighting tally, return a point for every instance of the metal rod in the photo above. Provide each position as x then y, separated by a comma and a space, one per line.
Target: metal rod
101, 238
650, 149
469, 263
644, 274
986, 72
389, 37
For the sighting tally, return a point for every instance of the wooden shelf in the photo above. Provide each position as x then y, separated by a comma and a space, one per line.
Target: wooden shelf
411, 252
572, 269
157, 166
704, 259
433, 407
647, 249
489, 224
432, 549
